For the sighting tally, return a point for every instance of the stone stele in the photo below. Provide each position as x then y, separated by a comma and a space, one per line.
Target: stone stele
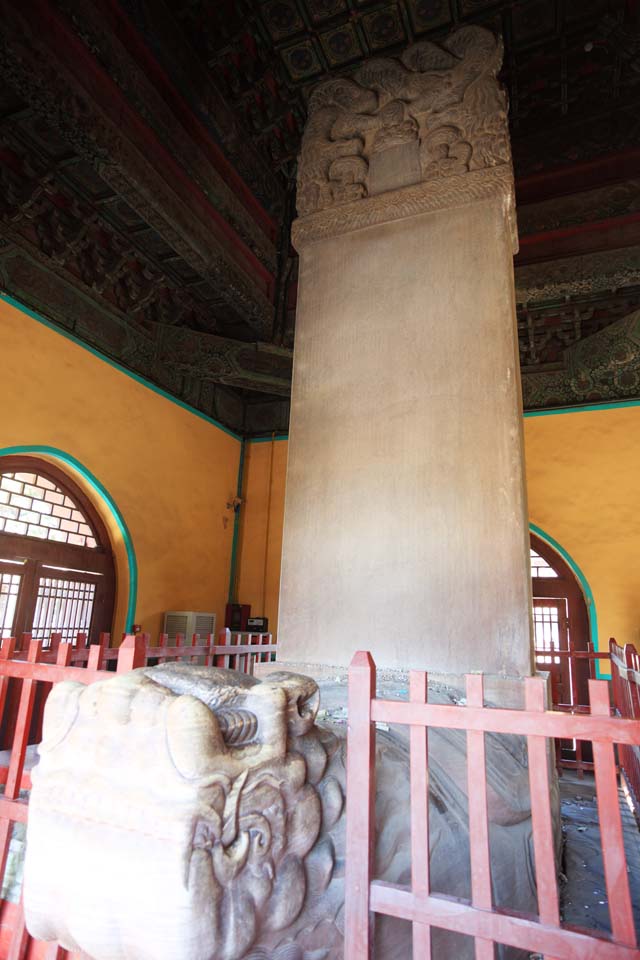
405, 527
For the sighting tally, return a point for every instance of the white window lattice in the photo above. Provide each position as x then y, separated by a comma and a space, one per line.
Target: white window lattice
9, 589
540, 567
63, 606
32, 506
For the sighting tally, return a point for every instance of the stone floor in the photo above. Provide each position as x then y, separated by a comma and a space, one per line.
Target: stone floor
583, 892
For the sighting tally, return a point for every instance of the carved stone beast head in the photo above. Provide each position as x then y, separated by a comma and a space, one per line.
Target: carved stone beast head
173, 814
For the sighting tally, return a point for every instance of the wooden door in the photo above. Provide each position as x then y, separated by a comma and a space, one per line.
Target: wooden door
551, 634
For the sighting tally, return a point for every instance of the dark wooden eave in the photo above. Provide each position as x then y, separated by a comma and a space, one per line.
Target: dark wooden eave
147, 159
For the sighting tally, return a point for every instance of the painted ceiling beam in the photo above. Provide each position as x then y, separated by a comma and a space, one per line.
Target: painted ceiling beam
591, 237
52, 69
104, 23
578, 177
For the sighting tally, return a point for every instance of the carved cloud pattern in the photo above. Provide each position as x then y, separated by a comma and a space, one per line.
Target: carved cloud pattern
444, 98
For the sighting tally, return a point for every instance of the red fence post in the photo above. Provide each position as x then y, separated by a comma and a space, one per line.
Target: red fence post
163, 641
360, 835
103, 644
542, 825
418, 759
64, 655
224, 637
211, 640
478, 815
54, 643
23, 724
611, 836
630, 657
7, 650
132, 653
95, 658
20, 938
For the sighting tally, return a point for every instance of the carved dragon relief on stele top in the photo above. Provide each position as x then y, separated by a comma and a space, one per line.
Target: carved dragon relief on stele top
436, 112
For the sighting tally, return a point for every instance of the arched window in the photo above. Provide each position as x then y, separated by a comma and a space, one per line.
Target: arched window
56, 566
560, 621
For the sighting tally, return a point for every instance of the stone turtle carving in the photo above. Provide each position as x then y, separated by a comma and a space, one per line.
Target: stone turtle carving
437, 112
189, 813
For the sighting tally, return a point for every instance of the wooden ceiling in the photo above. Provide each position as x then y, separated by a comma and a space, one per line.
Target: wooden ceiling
147, 181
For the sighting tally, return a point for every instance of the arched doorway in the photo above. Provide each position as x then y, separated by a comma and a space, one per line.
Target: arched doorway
56, 565
561, 620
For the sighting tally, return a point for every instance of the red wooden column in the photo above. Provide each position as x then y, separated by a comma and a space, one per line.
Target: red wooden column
360, 838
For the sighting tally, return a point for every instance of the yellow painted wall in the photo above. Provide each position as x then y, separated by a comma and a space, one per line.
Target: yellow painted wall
583, 477
260, 544
583, 472
170, 472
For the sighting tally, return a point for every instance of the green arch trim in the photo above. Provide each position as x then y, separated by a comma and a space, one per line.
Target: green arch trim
106, 498
584, 585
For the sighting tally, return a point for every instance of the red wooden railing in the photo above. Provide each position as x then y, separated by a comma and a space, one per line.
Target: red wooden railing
625, 680
543, 934
34, 675
575, 657
233, 650
544, 660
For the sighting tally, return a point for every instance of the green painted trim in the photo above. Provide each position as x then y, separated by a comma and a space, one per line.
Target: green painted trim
236, 525
106, 497
113, 363
586, 589
550, 412
587, 408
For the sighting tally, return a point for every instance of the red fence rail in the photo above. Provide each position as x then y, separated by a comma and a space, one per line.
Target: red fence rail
571, 755
544, 660
542, 934
625, 680
233, 650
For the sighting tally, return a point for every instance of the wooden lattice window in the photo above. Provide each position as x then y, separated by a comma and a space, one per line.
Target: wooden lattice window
9, 590
540, 567
56, 566
31, 505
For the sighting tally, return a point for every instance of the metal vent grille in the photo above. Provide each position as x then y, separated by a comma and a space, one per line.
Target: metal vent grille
205, 623
188, 622
175, 623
